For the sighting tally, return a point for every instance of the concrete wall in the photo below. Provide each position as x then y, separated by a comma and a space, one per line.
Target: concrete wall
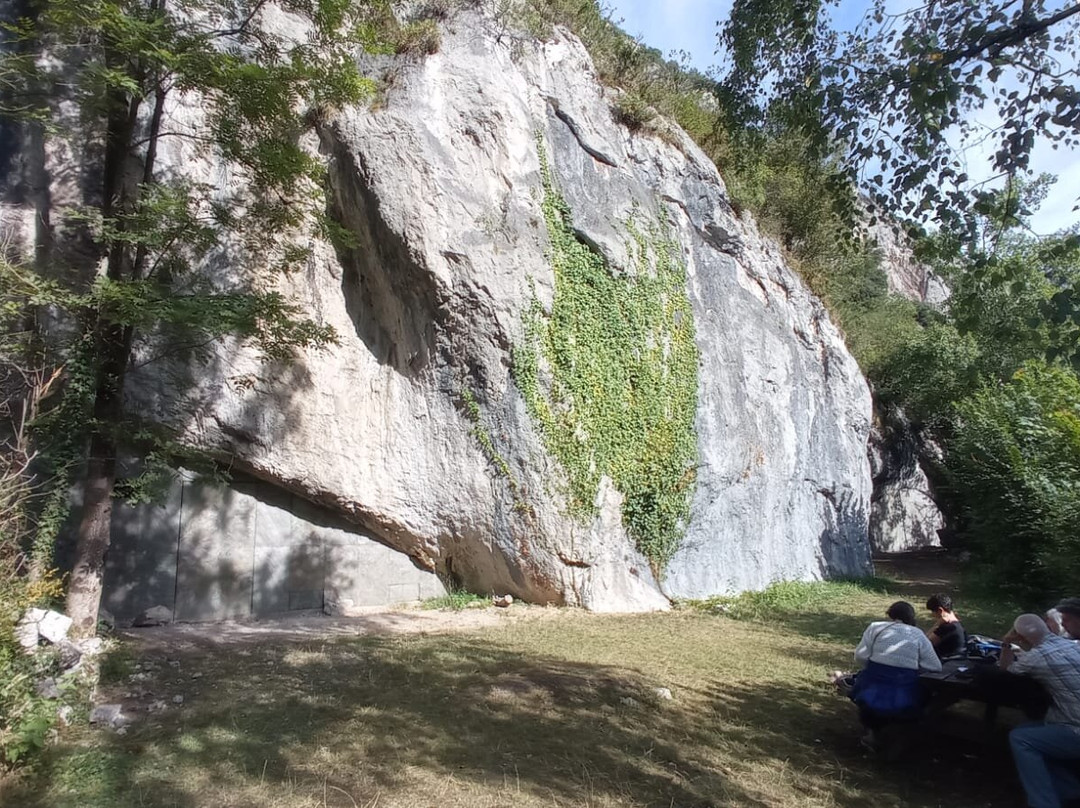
212, 552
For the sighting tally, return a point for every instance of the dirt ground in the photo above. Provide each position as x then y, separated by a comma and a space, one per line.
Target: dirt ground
921, 573
317, 627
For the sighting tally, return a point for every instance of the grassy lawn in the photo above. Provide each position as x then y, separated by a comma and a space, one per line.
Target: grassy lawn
559, 709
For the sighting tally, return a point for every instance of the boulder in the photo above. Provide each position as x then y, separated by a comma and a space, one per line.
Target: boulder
154, 616
69, 654
53, 627
42, 624
26, 631
109, 715
47, 688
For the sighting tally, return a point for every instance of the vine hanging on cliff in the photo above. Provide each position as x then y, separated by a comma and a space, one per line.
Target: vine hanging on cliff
619, 366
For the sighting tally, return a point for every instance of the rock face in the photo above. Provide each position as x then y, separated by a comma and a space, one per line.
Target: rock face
905, 275
440, 189
904, 515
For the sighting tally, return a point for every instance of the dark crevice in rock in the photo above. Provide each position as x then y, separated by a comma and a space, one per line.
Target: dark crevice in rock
575, 130
395, 304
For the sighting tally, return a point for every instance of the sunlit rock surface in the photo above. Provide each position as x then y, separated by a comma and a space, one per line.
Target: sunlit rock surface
439, 187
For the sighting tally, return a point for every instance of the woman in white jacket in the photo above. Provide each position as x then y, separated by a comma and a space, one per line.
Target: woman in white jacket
893, 653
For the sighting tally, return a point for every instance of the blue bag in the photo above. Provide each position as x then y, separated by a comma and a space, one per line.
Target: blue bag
886, 690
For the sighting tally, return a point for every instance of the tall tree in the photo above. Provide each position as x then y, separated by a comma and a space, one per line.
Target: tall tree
260, 84
901, 91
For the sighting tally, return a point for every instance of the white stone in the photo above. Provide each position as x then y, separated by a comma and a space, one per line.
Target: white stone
53, 627
26, 632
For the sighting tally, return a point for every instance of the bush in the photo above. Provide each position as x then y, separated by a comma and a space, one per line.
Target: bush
632, 112
790, 597
455, 600
1015, 460
27, 514
26, 719
420, 37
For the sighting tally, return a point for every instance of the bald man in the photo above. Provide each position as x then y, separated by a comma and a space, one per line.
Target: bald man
1046, 753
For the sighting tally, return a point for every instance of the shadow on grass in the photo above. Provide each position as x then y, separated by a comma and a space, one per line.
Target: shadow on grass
441, 707
408, 719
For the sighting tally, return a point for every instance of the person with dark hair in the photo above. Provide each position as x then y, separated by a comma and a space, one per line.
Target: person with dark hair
893, 653
1069, 617
947, 635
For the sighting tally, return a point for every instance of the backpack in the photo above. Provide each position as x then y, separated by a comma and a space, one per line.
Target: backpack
983, 648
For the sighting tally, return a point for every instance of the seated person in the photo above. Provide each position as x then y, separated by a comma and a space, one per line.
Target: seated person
1068, 614
894, 651
1045, 753
947, 635
1052, 618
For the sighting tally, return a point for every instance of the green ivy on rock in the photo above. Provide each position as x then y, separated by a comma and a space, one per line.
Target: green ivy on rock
610, 374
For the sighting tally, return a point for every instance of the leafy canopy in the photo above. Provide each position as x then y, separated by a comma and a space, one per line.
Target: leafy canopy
903, 90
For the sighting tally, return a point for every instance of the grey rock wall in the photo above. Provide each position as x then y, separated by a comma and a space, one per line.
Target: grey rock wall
904, 514
905, 275
440, 188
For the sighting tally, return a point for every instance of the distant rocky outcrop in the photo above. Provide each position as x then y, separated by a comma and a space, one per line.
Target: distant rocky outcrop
906, 275
412, 428
904, 515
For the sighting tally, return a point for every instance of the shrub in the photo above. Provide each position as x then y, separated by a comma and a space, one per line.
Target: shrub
610, 375
455, 600
790, 597
420, 37
1016, 461
632, 112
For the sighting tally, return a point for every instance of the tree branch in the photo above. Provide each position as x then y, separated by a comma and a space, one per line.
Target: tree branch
1005, 37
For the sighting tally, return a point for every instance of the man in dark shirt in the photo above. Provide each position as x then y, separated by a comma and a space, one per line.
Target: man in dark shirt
947, 634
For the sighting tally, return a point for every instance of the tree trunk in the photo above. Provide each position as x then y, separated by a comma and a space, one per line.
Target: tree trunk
84, 589
95, 526
112, 350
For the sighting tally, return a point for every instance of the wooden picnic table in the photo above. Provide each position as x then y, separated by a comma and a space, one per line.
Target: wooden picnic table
978, 680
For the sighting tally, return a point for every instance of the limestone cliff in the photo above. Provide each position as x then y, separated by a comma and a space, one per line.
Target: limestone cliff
413, 429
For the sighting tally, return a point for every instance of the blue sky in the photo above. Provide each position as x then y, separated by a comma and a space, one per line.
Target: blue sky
691, 26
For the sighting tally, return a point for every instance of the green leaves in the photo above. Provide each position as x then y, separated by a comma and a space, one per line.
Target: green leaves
1017, 460
904, 90
619, 365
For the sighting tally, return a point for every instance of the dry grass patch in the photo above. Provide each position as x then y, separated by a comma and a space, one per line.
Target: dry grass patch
561, 711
